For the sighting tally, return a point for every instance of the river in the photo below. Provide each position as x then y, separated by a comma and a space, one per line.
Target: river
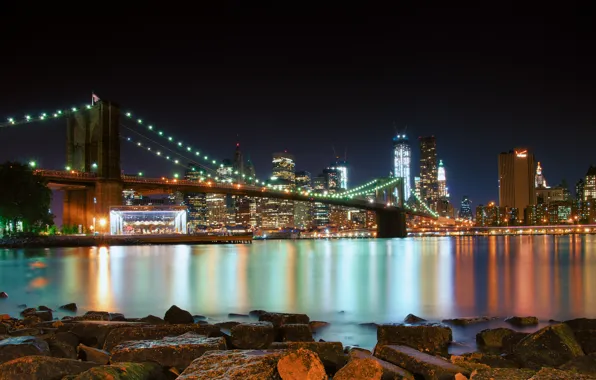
345, 282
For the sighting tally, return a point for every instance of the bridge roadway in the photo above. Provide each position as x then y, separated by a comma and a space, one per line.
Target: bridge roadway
59, 179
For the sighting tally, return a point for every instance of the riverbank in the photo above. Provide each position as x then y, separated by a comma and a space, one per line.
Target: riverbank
109, 240
266, 345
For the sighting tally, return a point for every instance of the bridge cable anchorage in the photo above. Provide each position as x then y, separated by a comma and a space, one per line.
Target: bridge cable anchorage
43, 116
179, 144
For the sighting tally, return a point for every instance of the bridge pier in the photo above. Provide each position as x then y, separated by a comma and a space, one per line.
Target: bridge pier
391, 224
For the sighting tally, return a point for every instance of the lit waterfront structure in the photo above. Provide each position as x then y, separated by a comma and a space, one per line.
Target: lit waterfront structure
196, 203
320, 210
342, 169
517, 179
442, 181
279, 213
303, 211
465, 211
539, 180
589, 188
429, 187
402, 162
417, 186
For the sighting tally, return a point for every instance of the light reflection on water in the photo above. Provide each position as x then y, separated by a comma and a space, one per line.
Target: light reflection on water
343, 281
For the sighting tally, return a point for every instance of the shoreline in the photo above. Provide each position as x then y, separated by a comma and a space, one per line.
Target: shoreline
183, 346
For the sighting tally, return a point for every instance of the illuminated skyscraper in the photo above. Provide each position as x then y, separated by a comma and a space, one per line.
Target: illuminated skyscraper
303, 211
429, 186
465, 212
342, 169
589, 189
516, 179
280, 212
417, 186
539, 180
442, 181
402, 162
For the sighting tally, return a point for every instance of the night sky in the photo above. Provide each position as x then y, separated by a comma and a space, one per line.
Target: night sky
310, 81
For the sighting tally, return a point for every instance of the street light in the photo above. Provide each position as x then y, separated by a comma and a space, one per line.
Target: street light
32, 164
102, 223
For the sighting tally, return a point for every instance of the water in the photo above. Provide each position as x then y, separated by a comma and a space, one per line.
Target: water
345, 282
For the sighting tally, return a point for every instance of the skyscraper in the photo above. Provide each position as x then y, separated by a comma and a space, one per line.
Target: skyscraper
465, 211
238, 164
539, 180
429, 187
402, 162
442, 181
590, 184
280, 212
516, 179
303, 210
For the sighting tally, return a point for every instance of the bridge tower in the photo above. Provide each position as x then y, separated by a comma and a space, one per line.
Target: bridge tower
391, 223
93, 145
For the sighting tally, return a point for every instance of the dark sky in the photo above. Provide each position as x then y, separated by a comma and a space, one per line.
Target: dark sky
482, 80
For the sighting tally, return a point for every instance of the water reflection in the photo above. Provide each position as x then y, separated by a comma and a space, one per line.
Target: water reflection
369, 280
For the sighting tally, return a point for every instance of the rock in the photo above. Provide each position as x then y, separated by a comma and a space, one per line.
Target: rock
295, 333
124, 371
152, 320
177, 351
585, 333
557, 374
44, 315
550, 346
227, 325
27, 311
580, 324
25, 332
142, 332
234, 315
371, 325
316, 325
69, 307
357, 351
301, 365
3, 329
330, 353
477, 360
176, 315
22, 306
499, 339
94, 333
466, 321
279, 319
256, 313
255, 335
234, 364
44, 308
41, 367
64, 345
522, 321
390, 371
411, 318
502, 374
583, 364
361, 368
32, 320
15, 347
418, 363
3, 295
90, 354
433, 338
101, 316
199, 318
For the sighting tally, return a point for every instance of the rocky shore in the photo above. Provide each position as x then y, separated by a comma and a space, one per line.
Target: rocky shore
267, 345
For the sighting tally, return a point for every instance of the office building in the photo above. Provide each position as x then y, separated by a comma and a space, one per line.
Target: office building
429, 187
402, 162
517, 187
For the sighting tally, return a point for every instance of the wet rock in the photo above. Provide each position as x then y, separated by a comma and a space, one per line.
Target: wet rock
3, 295
152, 320
466, 321
256, 313
90, 354
25, 332
63, 345
295, 333
522, 321
583, 364
22, 306
418, 363
199, 318
365, 368
27, 311
234, 364
143, 332
390, 370
124, 371
234, 315
433, 338
44, 315
32, 320
279, 319
502, 374
352, 350
316, 325
301, 365
15, 347
44, 308
371, 325
557, 374
41, 367
94, 333
69, 307
101, 316
3, 329
580, 324
255, 335
330, 353
499, 339
550, 346
585, 333
411, 319
227, 325
176, 315
177, 351
475, 360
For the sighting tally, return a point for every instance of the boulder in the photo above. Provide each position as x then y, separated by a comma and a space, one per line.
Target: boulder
585, 333
469, 360
502, 374
44, 308
26, 332
41, 367
94, 333
433, 338
279, 319
256, 313
585, 365
234, 364
550, 346
581, 324
27, 311
499, 339
101, 316
418, 363
522, 321
466, 321
144, 332
90, 354
301, 365
176, 315
152, 320
15, 347
227, 325
360, 368
3, 295
330, 353
124, 371
411, 319
390, 370
255, 335
316, 325
295, 333
63, 345
177, 351
557, 374
235, 315
69, 307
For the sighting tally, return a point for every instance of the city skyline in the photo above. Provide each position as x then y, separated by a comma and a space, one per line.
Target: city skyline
312, 89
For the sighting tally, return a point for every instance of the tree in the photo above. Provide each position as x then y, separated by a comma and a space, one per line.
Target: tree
24, 198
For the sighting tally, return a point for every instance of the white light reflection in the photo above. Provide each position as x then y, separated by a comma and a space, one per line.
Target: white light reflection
444, 290
179, 292
103, 297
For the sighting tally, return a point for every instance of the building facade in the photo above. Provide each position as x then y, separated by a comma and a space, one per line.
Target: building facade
517, 187
402, 162
429, 186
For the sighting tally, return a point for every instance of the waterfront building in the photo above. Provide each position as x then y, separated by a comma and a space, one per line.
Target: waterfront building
279, 213
517, 179
402, 162
589, 188
429, 187
465, 211
341, 167
303, 211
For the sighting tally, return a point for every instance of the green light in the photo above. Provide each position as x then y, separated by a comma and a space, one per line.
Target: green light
140, 174
198, 153
94, 165
188, 149
140, 121
175, 175
88, 107
150, 127
160, 133
176, 161
27, 117
32, 164
128, 114
74, 109
180, 143
59, 112
170, 138
68, 168
214, 162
